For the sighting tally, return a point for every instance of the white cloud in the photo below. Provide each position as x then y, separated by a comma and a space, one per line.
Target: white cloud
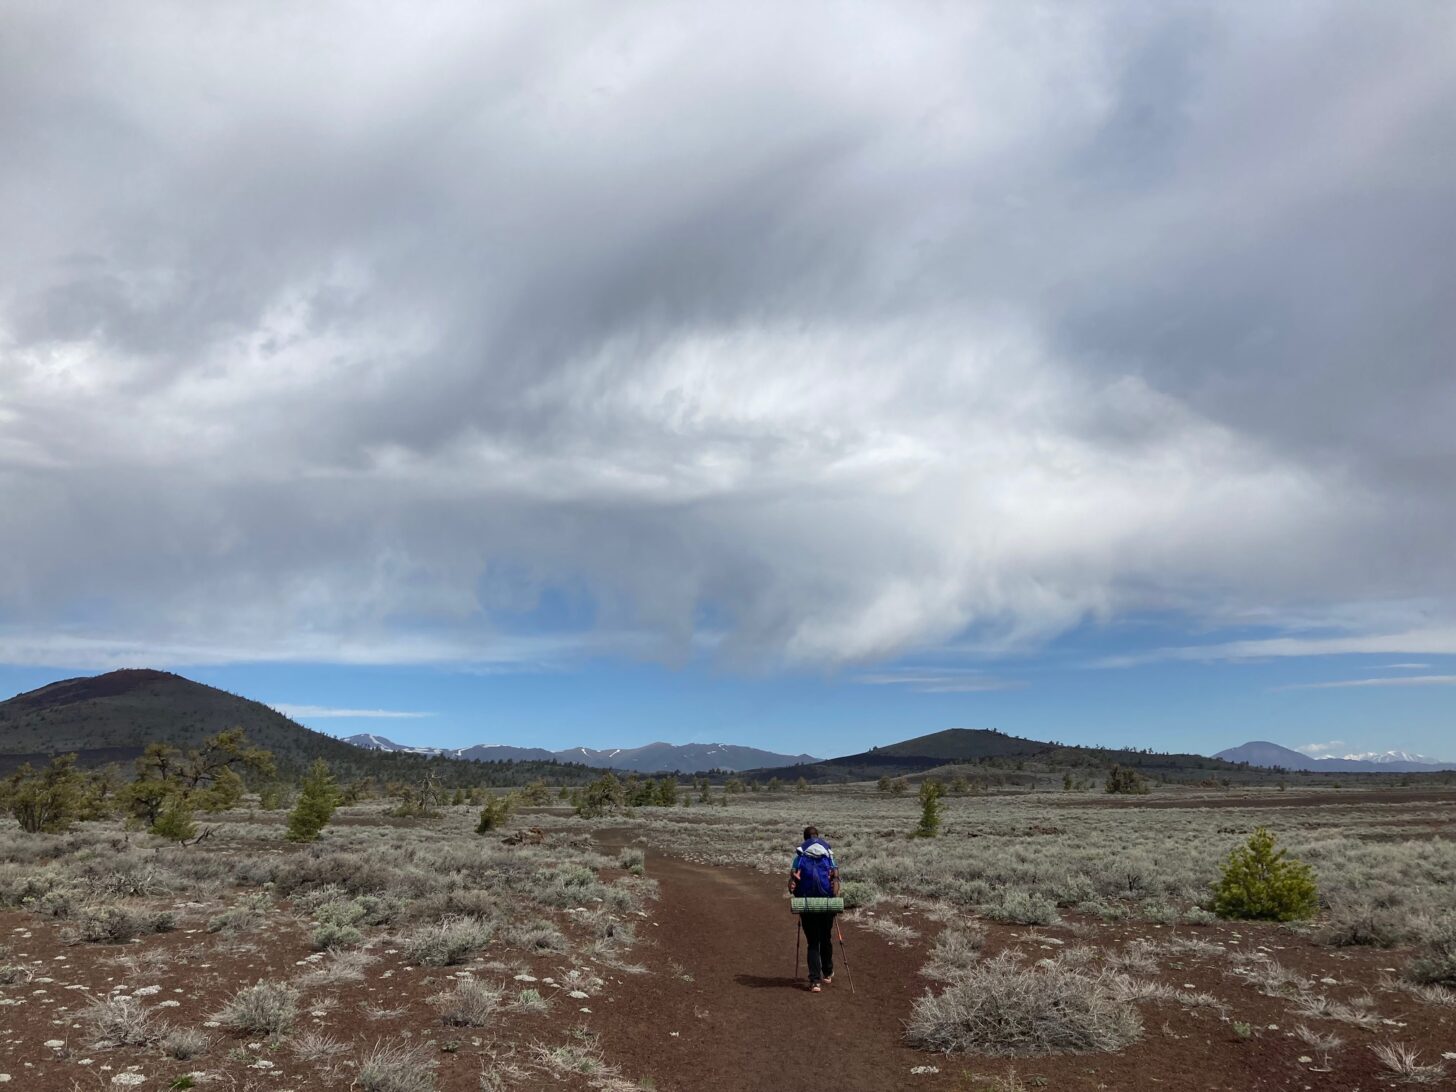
938, 680
326, 712
1401, 680
407, 335
1436, 640
483, 653
1323, 750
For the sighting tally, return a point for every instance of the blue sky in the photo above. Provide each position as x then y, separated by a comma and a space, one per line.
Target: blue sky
1064, 692
747, 372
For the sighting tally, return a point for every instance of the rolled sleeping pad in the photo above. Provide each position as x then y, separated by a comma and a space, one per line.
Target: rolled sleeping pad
823, 905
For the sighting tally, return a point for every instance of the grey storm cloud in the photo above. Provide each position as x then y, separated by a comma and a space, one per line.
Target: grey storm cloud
806, 334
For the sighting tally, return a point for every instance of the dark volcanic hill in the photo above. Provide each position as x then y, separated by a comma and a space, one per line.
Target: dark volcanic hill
980, 746
129, 709
112, 717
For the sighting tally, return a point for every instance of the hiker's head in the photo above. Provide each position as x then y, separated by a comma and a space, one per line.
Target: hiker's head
811, 832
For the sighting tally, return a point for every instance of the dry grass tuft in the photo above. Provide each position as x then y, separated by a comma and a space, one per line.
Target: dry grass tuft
117, 1021
447, 943
397, 1066
1002, 1006
469, 1003
264, 1008
314, 1046
1404, 1060
185, 1043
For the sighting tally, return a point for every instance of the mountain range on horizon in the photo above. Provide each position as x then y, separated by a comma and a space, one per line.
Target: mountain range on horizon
109, 718
651, 758
1264, 753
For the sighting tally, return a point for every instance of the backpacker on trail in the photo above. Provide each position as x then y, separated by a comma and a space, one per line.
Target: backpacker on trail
814, 876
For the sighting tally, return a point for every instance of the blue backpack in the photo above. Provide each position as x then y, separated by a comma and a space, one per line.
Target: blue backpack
815, 881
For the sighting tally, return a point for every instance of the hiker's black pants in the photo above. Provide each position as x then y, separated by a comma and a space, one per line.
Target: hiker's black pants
819, 931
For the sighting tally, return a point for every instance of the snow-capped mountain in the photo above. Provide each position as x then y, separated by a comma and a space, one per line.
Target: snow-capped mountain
687, 757
1385, 758
371, 742
653, 758
1264, 753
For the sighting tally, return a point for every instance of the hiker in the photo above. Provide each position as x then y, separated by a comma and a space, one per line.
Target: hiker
815, 875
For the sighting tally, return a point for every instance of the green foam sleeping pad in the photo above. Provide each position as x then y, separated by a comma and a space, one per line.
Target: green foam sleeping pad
816, 905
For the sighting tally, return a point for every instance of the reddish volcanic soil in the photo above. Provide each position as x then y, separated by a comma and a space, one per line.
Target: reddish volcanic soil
719, 1007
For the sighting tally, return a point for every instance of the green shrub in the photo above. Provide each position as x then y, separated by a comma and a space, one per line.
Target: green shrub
249, 914
1125, 781
601, 797
1263, 884
272, 797
117, 925
496, 811
1023, 908
633, 860
175, 822
857, 893
1435, 962
330, 934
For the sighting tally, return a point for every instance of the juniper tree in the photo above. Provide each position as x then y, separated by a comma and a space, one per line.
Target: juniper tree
46, 801
496, 811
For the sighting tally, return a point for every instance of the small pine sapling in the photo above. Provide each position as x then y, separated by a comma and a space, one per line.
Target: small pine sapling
317, 799
1261, 883
930, 793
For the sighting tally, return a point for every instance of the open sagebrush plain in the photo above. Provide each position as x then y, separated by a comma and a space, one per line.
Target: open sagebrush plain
1042, 940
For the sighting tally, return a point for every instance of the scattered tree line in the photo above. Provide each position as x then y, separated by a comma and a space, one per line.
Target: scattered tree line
170, 788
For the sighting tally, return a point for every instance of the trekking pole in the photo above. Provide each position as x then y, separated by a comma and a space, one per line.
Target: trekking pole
843, 955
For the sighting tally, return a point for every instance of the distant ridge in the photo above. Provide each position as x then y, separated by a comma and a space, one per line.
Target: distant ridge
1263, 753
651, 758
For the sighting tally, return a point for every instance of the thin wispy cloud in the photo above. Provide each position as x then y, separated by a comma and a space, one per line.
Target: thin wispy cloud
1397, 680
938, 681
1440, 640
1323, 750
329, 712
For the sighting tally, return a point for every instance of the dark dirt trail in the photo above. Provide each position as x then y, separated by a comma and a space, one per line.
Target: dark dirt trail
745, 1021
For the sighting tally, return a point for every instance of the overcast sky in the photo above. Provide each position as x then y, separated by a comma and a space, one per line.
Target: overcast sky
949, 351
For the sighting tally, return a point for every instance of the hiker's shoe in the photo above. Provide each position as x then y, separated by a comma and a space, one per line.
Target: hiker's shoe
814, 988
828, 979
